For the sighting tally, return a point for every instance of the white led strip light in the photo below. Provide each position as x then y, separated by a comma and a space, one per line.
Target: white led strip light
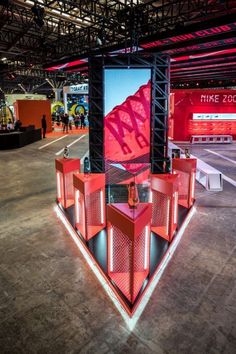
146, 247
77, 206
168, 215
101, 206
58, 185
151, 196
193, 185
130, 321
111, 249
175, 207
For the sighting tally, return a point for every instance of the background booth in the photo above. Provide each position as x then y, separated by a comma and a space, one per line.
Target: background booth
30, 112
203, 112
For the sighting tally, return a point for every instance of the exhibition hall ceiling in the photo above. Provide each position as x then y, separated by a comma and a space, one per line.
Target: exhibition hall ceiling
199, 35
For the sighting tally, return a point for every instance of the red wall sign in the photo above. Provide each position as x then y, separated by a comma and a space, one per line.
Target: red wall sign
189, 36
188, 102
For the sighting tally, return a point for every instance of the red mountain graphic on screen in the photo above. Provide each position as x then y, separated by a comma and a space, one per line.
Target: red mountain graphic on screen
127, 128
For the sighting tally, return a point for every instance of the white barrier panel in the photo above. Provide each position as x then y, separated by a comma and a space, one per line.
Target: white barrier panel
211, 139
209, 177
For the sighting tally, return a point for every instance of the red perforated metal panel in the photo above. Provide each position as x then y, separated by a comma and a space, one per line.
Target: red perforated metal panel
128, 262
161, 211
120, 248
93, 203
184, 181
141, 260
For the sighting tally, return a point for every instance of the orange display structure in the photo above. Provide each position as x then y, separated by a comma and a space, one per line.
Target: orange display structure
128, 260
164, 198
64, 174
30, 112
186, 169
90, 209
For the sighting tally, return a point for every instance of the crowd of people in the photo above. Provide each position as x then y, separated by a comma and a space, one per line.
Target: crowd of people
68, 121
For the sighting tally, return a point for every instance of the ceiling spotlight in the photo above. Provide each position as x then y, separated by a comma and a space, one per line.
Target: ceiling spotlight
4, 59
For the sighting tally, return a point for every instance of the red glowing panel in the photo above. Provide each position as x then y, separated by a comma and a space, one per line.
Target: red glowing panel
186, 169
202, 46
67, 65
90, 217
129, 247
204, 55
203, 102
190, 36
164, 199
127, 120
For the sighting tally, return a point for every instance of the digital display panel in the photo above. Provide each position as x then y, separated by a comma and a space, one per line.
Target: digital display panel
127, 115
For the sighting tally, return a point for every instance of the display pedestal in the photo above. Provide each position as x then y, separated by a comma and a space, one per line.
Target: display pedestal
65, 168
90, 215
186, 169
129, 247
164, 198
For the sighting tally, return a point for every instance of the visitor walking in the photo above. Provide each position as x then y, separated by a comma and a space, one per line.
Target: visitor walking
44, 125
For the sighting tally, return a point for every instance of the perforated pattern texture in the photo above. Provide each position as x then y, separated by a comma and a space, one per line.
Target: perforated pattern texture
160, 209
69, 189
93, 208
121, 253
183, 185
140, 273
123, 264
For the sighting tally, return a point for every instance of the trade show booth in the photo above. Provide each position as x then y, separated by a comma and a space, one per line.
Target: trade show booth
126, 211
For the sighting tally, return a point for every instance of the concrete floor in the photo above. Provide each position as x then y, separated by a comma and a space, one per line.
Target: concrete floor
50, 301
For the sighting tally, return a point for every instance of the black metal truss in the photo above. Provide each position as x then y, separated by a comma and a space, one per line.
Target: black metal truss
32, 78
96, 112
115, 23
160, 72
160, 112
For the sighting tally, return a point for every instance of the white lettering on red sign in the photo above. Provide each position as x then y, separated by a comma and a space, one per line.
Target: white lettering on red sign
218, 98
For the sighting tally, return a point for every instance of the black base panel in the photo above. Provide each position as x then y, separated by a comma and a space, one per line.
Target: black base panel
15, 140
97, 245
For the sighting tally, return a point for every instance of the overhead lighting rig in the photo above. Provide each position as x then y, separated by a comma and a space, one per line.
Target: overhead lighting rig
38, 12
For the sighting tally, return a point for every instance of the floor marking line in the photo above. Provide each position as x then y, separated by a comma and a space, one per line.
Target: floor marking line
230, 180
223, 157
52, 142
75, 141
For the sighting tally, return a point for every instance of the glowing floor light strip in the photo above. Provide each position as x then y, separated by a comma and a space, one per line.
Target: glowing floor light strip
130, 322
146, 247
111, 249
102, 206
58, 185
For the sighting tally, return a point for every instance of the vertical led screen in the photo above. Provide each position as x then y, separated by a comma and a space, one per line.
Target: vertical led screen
127, 115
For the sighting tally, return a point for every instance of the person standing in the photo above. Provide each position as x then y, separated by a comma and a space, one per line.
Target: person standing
82, 119
66, 122
44, 125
